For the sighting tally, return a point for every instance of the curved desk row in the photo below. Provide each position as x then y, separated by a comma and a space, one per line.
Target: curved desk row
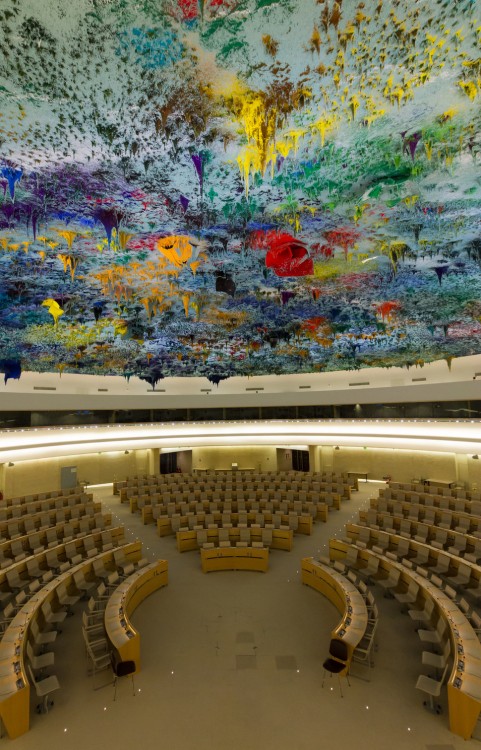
463, 505
281, 538
40, 537
11, 512
37, 521
234, 558
21, 499
122, 635
304, 523
345, 597
449, 518
153, 511
411, 529
14, 684
464, 683
41, 561
412, 547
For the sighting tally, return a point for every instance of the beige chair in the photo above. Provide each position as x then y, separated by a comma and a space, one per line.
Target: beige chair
39, 662
51, 617
267, 537
245, 538
433, 690
202, 542
43, 689
224, 540
42, 638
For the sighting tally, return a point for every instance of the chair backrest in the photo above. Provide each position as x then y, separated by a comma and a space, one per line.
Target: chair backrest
338, 649
32, 678
101, 589
475, 620
30, 653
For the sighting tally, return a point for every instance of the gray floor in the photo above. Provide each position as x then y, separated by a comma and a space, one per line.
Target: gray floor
234, 660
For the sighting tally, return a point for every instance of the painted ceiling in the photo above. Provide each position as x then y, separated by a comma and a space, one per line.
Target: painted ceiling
238, 187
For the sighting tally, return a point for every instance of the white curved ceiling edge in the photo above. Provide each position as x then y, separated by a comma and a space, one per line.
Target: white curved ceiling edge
460, 437
434, 381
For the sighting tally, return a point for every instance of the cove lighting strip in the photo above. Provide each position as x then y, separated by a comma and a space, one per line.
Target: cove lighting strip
452, 437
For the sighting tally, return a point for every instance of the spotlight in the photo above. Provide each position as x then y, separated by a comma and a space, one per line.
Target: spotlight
337, 448
10, 463
126, 453
476, 456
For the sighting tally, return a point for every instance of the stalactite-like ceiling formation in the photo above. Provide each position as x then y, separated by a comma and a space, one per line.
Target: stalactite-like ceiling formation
238, 187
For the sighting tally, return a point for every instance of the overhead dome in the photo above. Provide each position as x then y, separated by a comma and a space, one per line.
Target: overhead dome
228, 188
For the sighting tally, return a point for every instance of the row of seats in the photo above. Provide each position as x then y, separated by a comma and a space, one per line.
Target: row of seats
22, 499
53, 618
24, 578
97, 646
244, 540
459, 492
458, 542
363, 651
462, 505
238, 509
455, 570
42, 521
228, 520
19, 547
41, 506
439, 620
446, 519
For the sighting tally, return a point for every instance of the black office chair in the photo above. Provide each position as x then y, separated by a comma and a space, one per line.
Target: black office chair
122, 669
337, 662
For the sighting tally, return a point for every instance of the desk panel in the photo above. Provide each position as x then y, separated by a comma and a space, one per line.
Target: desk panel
122, 635
234, 558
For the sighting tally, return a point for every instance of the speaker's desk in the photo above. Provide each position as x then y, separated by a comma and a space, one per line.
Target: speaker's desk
122, 635
235, 558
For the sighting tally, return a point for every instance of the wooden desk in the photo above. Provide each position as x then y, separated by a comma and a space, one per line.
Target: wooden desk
345, 597
464, 683
14, 684
234, 558
281, 538
122, 635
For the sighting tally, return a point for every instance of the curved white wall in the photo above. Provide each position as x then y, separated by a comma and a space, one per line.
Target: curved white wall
432, 382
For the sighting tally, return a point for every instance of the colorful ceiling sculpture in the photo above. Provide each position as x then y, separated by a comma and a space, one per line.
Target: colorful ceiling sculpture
238, 187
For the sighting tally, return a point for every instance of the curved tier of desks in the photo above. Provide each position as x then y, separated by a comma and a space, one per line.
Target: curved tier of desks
25, 539
464, 683
152, 512
462, 505
390, 523
21, 499
40, 560
51, 517
281, 538
122, 635
14, 684
442, 516
234, 558
11, 512
345, 597
164, 523
354, 531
